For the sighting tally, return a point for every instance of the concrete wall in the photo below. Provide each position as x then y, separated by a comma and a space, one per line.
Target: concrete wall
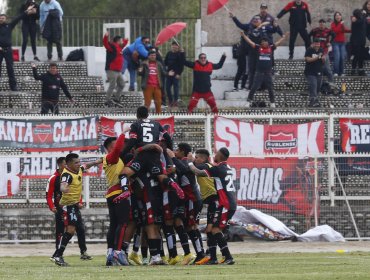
222, 31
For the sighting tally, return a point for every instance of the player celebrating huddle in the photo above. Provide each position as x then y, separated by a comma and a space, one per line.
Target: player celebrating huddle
142, 133
225, 206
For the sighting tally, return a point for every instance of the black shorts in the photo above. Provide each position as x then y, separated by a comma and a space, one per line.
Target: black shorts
218, 216
147, 161
152, 212
72, 215
173, 207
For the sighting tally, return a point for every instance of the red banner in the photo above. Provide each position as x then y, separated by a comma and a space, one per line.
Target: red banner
276, 184
248, 138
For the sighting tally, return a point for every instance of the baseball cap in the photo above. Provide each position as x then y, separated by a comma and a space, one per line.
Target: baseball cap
263, 5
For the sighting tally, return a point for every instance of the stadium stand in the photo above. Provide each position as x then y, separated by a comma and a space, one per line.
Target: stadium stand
291, 95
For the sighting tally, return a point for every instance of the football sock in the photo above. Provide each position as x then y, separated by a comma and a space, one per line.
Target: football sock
161, 251
196, 243
222, 243
212, 245
154, 246
81, 237
200, 238
171, 240
125, 246
136, 244
184, 239
144, 251
120, 233
63, 244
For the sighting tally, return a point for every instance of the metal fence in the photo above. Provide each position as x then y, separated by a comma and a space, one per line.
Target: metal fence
338, 194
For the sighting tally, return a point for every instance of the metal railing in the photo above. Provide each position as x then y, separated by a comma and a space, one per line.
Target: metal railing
342, 199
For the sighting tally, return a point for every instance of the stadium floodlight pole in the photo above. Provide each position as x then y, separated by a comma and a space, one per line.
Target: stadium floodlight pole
347, 203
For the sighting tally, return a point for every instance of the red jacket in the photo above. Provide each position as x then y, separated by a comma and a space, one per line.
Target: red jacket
114, 60
339, 29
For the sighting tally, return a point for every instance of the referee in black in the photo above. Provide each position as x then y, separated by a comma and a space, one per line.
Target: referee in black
6, 51
52, 82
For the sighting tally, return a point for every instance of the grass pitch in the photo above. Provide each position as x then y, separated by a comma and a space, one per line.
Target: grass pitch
295, 266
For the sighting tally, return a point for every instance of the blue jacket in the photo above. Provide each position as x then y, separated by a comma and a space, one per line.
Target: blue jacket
44, 10
139, 47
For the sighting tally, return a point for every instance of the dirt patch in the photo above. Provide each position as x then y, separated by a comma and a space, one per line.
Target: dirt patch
246, 247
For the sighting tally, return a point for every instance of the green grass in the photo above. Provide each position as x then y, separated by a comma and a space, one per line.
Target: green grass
297, 266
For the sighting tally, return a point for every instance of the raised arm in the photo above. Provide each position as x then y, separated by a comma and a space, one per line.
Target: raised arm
35, 74
220, 63
278, 42
285, 10
249, 41
106, 43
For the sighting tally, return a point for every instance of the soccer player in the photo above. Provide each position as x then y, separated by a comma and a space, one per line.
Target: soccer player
193, 202
225, 206
121, 227
143, 132
71, 187
53, 196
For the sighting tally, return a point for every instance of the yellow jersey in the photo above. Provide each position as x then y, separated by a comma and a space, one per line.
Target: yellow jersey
206, 185
74, 181
112, 171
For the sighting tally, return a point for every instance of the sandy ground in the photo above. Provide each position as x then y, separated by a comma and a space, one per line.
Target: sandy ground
246, 247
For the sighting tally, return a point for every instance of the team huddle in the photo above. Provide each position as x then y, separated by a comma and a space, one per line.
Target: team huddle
154, 192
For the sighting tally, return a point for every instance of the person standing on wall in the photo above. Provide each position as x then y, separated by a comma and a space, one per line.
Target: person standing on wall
51, 14
6, 51
358, 42
152, 83
139, 49
173, 62
299, 17
202, 71
339, 43
29, 27
315, 60
113, 66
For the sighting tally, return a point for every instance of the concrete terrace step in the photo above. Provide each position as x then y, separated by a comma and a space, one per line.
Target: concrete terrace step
74, 83
65, 68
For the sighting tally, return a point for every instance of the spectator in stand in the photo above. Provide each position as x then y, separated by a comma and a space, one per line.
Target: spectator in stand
29, 26
160, 59
366, 12
263, 68
325, 36
152, 83
255, 31
315, 60
139, 49
52, 82
6, 51
113, 67
299, 17
339, 43
53, 196
51, 15
173, 62
202, 71
358, 42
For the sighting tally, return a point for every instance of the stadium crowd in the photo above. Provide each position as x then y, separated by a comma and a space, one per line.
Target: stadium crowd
161, 75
